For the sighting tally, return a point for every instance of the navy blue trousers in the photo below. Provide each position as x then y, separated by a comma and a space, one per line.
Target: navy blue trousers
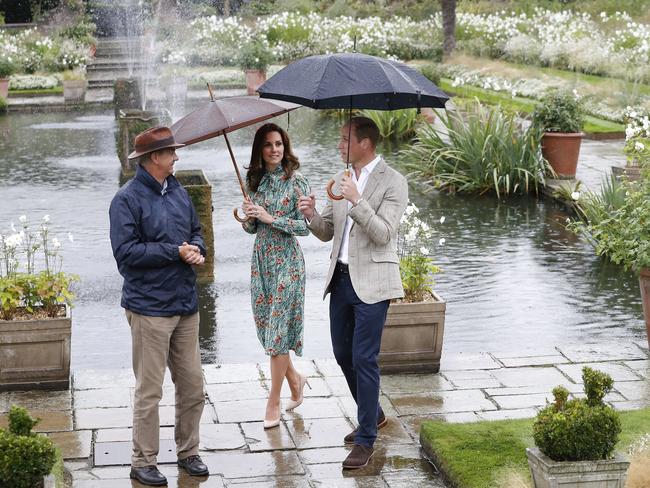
356, 329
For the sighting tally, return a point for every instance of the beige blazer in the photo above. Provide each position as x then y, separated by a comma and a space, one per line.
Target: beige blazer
372, 246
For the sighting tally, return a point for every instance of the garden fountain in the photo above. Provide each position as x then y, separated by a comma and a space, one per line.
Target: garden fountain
135, 111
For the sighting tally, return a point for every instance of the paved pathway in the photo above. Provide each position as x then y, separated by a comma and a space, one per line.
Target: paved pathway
92, 422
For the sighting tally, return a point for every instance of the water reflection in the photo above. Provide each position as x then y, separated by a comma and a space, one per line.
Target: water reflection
512, 273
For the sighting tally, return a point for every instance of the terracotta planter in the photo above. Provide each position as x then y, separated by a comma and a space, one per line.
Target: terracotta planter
74, 91
562, 151
35, 354
254, 79
644, 284
4, 87
412, 337
546, 473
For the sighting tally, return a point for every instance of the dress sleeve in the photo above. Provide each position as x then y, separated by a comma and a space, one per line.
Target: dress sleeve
293, 222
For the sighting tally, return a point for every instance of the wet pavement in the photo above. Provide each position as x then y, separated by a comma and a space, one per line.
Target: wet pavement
92, 422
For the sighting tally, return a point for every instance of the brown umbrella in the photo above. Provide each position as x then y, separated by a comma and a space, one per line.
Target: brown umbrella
218, 117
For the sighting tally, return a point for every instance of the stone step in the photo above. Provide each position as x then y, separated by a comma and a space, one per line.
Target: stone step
110, 83
117, 65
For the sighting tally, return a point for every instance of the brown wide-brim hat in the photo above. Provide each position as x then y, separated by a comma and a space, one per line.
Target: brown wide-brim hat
153, 139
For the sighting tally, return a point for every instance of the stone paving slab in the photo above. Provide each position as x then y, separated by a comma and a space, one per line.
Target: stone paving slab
74, 445
308, 447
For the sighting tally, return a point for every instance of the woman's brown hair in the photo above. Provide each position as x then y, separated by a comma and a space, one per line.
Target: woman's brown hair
256, 168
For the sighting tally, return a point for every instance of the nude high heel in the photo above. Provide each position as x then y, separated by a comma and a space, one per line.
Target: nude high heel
269, 424
291, 404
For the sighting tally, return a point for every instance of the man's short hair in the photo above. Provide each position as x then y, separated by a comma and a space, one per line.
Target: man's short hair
144, 159
365, 128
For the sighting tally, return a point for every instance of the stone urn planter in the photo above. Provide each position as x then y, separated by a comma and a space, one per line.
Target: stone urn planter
74, 91
644, 284
254, 79
35, 354
4, 87
562, 150
546, 473
412, 337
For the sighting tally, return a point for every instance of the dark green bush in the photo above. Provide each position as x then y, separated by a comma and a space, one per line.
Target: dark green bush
25, 457
3, 105
579, 430
432, 72
559, 112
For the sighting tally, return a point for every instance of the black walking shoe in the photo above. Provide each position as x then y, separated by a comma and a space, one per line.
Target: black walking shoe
194, 466
382, 421
148, 475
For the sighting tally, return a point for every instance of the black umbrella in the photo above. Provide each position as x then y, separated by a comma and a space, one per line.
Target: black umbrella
352, 80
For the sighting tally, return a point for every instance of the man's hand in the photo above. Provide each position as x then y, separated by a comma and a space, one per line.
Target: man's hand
190, 254
349, 189
307, 205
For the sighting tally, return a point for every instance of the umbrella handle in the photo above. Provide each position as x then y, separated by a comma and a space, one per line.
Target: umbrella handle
330, 184
235, 213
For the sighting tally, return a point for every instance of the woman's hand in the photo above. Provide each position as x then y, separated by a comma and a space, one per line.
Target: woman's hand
257, 212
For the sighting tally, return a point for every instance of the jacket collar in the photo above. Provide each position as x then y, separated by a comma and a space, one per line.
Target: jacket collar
146, 179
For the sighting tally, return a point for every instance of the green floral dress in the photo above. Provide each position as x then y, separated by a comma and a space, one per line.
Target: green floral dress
277, 265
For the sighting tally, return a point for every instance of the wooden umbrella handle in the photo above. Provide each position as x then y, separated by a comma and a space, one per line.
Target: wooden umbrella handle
235, 211
330, 184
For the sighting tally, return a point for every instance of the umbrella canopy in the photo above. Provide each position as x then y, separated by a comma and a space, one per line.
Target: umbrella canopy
225, 115
353, 80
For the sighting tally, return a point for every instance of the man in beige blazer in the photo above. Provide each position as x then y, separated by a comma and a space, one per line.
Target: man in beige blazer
364, 270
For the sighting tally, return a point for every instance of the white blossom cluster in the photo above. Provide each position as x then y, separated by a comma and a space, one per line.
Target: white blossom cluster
415, 234
638, 123
32, 82
612, 45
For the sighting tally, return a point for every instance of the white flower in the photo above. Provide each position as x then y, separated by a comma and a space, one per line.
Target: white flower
568, 220
13, 241
575, 195
56, 244
424, 226
424, 251
46, 218
442, 219
70, 237
639, 146
13, 228
23, 218
441, 241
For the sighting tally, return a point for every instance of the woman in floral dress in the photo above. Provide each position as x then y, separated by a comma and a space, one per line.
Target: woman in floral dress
278, 266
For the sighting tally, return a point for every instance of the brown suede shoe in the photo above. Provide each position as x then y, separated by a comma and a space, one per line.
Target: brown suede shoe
381, 422
358, 458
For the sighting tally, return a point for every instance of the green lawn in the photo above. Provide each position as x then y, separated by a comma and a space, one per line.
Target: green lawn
475, 455
522, 105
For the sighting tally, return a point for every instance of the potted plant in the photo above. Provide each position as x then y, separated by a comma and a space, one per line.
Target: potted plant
254, 58
561, 117
7, 69
412, 336
27, 458
35, 321
575, 439
74, 85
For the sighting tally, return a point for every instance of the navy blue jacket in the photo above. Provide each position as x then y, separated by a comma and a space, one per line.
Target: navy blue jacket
146, 229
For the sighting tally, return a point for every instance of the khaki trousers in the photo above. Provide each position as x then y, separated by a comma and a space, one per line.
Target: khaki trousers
158, 342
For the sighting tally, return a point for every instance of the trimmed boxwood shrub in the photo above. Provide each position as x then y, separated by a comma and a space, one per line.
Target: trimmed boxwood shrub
25, 457
579, 430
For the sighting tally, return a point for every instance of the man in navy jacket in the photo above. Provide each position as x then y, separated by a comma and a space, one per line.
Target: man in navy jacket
156, 238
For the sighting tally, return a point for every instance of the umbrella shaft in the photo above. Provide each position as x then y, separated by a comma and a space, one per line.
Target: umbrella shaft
234, 163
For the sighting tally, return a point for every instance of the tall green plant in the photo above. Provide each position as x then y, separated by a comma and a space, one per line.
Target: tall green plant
621, 234
394, 124
483, 151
